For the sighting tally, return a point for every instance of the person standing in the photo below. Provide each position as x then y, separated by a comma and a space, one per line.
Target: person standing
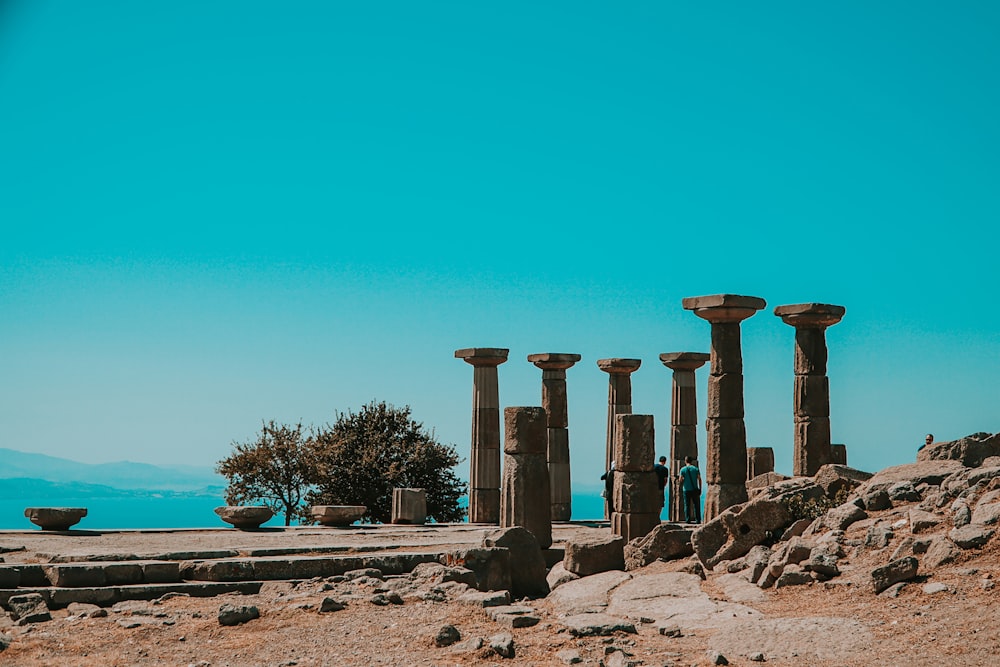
928, 440
662, 476
690, 478
609, 490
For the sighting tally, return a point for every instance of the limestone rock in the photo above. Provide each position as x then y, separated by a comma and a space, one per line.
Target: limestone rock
903, 569
502, 644
972, 536
337, 515
596, 625
940, 551
559, 575
970, 450
923, 472
961, 515
838, 518
760, 482
447, 635
28, 608
527, 565
665, 542
329, 605
84, 610
491, 566
757, 559
985, 514
921, 521
878, 536
904, 491
876, 500
230, 614
584, 557
5, 641
793, 576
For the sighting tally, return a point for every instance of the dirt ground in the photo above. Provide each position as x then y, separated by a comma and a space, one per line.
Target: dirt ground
959, 626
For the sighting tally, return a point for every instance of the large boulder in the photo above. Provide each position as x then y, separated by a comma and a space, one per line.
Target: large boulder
590, 555
970, 450
527, 565
665, 542
491, 566
922, 472
732, 533
903, 569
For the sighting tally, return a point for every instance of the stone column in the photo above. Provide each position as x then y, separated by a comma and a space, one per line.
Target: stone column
554, 401
484, 456
838, 454
619, 403
759, 461
726, 451
636, 497
683, 421
526, 498
812, 386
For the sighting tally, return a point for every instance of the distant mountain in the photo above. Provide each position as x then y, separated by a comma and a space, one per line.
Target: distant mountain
19, 488
121, 475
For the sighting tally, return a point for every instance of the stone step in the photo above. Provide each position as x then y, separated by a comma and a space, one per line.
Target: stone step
220, 553
305, 567
105, 596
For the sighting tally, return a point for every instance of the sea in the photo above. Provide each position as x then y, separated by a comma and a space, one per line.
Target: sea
180, 511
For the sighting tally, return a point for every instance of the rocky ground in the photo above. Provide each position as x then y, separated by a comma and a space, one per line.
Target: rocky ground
818, 608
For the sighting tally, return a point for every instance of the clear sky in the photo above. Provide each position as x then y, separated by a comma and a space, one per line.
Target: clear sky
217, 213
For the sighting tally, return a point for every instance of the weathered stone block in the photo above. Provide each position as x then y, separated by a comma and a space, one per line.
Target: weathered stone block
558, 445
55, 518
719, 497
484, 505
636, 492
838, 454
409, 506
244, 516
725, 450
635, 448
972, 536
76, 575
760, 460
664, 542
337, 515
554, 401
490, 565
725, 396
526, 497
591, 555
527, 566
525, 430
811, 396
28, 608
835, 478
726, 350
812, 445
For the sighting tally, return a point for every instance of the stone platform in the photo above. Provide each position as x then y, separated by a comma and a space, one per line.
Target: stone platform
105, 567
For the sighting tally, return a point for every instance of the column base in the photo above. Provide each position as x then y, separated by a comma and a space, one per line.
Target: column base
720, 497
484, 506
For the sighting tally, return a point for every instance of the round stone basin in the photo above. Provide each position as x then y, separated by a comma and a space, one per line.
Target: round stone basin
244, 516
337, 515
55, 518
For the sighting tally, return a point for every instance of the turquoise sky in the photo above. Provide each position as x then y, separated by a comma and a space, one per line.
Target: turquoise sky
216, 213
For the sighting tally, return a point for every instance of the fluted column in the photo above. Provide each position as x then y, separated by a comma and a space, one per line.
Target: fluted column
484, 455
812, 386
554, 368
726, 450
683, 421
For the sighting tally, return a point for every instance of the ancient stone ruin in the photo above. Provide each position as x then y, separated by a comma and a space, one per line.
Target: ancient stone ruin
526, 499
636, 498
484, 475
683, 420
554, 368
725, 464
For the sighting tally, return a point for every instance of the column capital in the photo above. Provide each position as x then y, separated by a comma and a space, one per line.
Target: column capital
810, 315
483, 356
684, 361
723, 307
619, 366
554, 361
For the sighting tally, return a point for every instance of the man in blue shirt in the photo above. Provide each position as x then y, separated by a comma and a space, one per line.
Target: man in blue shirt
690, 477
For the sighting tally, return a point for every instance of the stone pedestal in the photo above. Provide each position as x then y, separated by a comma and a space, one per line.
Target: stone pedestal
554, 368
244, 516
812, 387
726, 456
55, 518
636, 497
409, 506
838, 454
759, 461
683, 421
484, 455
525, 498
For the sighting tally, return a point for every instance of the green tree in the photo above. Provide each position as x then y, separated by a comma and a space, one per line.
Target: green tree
272, 470
363, 456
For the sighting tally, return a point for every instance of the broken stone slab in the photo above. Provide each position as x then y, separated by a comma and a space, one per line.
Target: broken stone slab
903, 569
485, 599
985, 514
409, 506
527, 566
84, 610
792, 575
878, 536
590, 555
940, 551
838, 518
244, 516
921, 521
28, 608
757, 559
971, 450
587, 594
491, 566
972, 536
665, 542
337, 515
55, 518
513, 616
596, 625
502, 644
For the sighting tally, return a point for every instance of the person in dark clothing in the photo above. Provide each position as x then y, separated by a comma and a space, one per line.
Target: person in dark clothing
609, 489
662, 476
